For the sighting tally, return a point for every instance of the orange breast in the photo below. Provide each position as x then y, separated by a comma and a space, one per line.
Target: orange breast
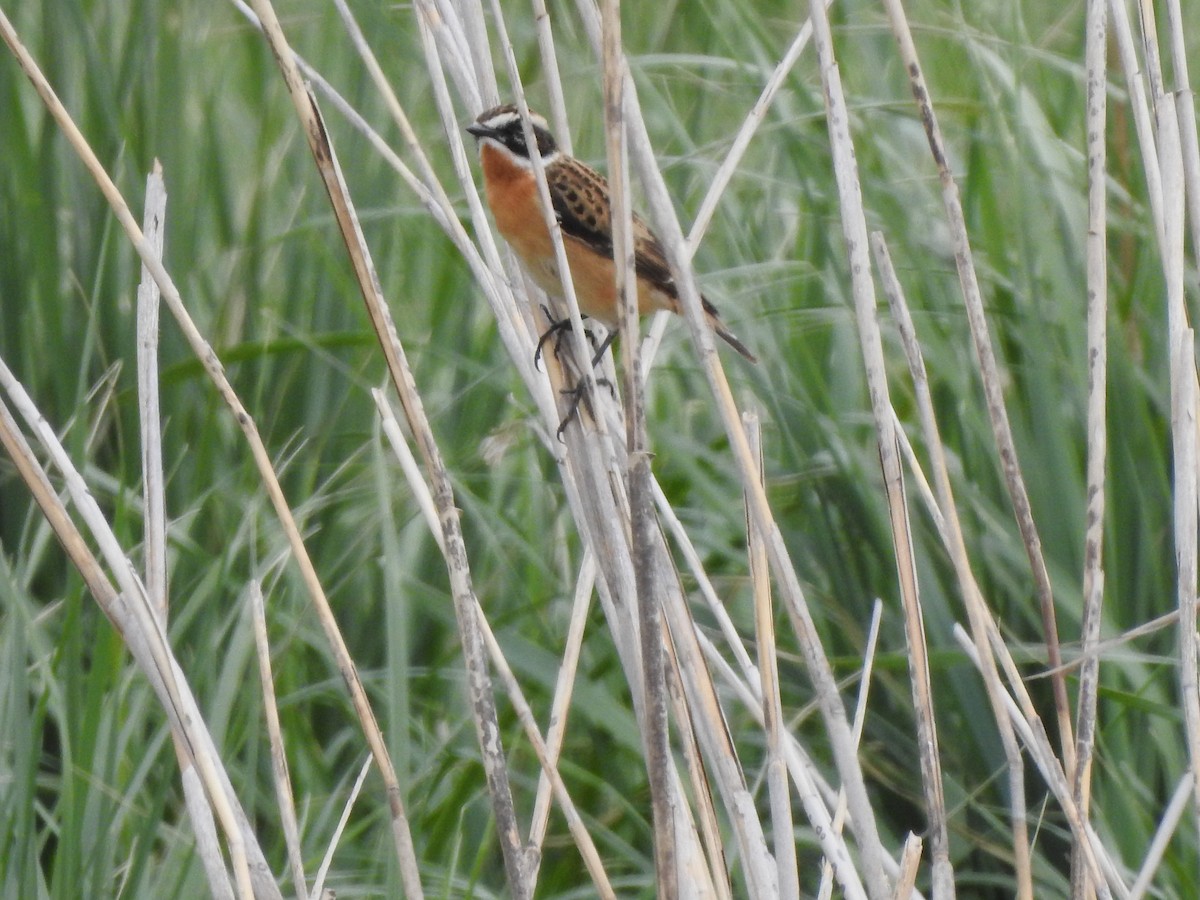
512, 196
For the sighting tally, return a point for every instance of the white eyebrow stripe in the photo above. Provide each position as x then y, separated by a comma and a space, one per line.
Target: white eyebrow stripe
502, 121
505, 119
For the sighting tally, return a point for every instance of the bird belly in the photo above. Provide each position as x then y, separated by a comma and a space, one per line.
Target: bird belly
594, 280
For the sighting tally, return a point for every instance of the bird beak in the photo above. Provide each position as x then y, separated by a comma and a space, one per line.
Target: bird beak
478, 130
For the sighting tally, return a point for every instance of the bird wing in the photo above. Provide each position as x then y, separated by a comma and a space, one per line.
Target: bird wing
581, 202
650, 260
580, 198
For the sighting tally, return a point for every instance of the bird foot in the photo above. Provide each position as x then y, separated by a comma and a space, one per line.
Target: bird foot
556, 330
578, 395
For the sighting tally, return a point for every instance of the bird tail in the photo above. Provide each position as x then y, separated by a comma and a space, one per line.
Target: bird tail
714, 319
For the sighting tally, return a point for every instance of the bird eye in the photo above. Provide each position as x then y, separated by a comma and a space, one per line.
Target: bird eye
516, 142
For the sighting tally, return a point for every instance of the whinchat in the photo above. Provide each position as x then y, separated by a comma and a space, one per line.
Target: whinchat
581, 202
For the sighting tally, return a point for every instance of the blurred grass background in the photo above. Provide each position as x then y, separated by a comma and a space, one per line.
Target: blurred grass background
89, 795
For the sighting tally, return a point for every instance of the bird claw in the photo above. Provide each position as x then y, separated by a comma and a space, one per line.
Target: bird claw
556, 329
579, 394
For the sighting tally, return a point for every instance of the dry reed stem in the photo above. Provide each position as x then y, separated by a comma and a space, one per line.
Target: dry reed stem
208, 842
284, 796
114, 606
945, 514
1185, 110
318, 889
910, 863
988, 370
141, 629
583, 839
1175, 156
154, 528
1181, 799
1178, 106
748, 685
924, 488
854, 231
918, 655
314, 130
711, 880
669, 519
475, 27
1183, 433
1135, 85
1097, 420
1105, 647
557, 113
446, 24
787, 871
428, 177
700, 877
871, 342
1171, 189
154, 523
409, 466
564, 684
215, 371
1099, 862
655, 732
1153, 69
723, 769
1184, 391
860, 718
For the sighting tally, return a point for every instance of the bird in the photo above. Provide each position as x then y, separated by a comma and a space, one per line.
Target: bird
580, 196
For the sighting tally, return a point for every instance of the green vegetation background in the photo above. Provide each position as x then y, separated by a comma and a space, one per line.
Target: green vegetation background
89, 795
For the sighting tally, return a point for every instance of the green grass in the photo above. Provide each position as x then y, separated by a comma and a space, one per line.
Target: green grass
90, 801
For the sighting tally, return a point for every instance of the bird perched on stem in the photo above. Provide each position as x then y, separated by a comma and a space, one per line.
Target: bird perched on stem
581, 202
